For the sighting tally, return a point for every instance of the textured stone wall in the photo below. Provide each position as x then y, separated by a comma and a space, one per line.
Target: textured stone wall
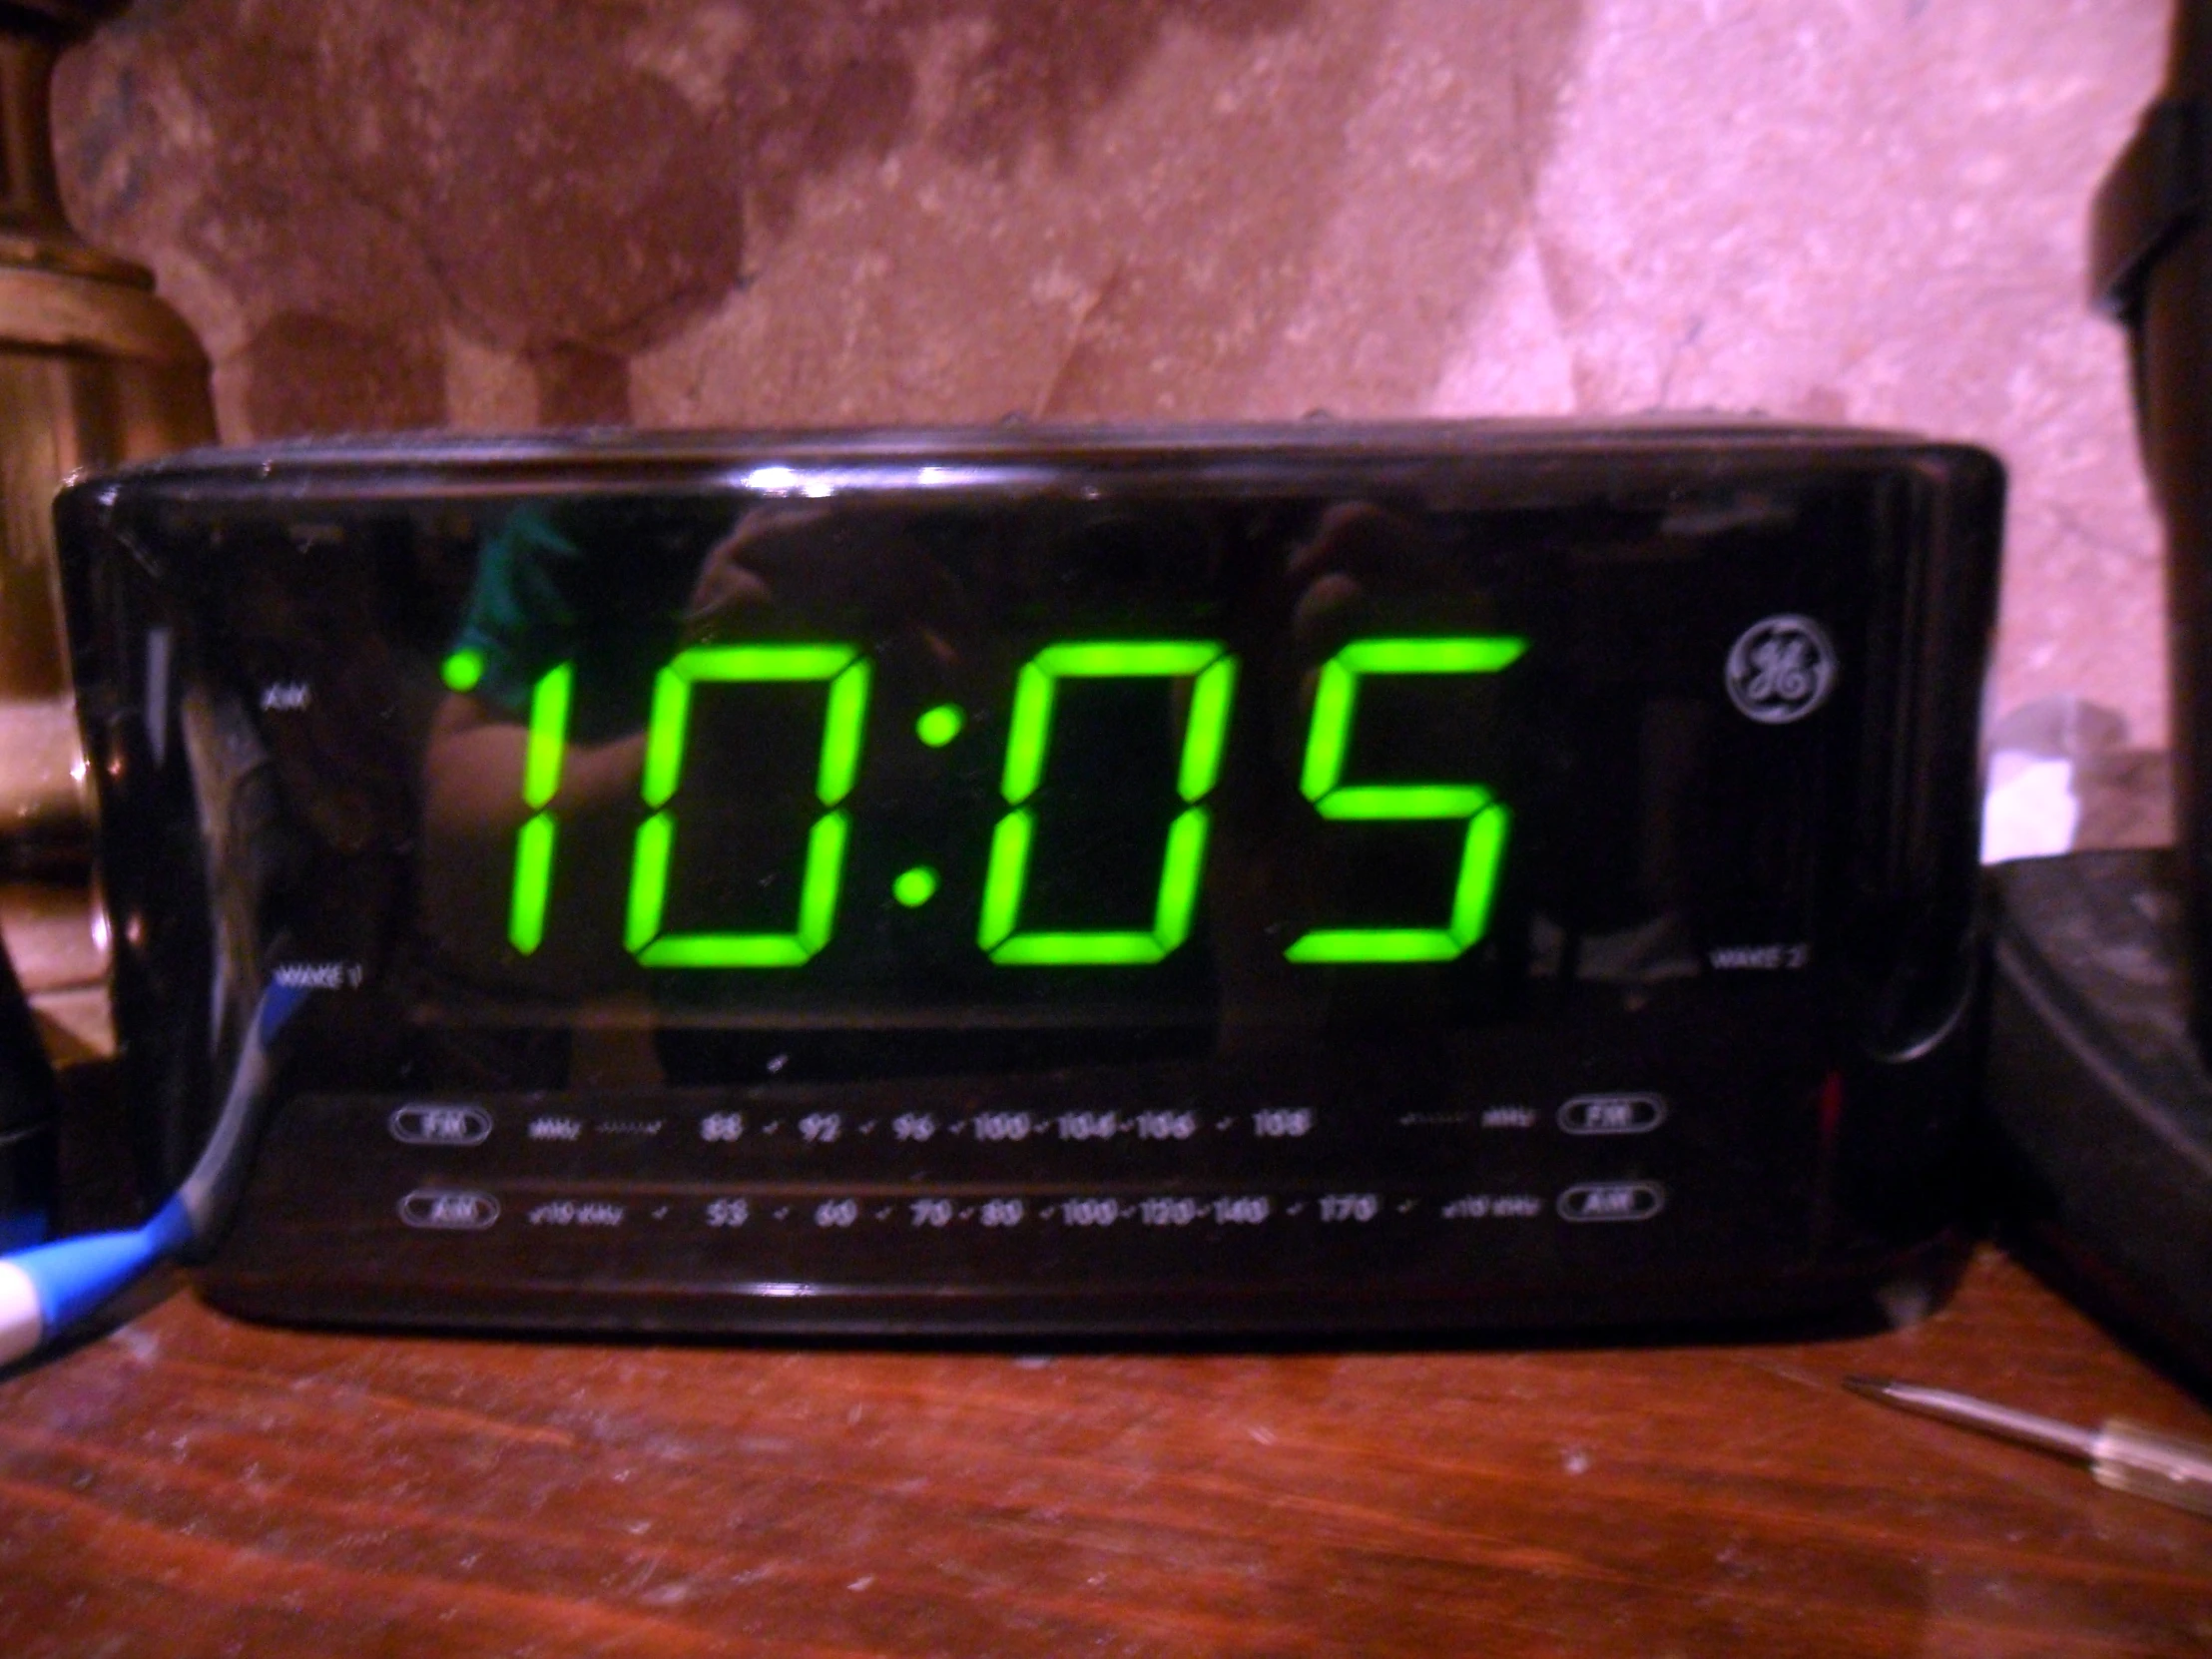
501, 212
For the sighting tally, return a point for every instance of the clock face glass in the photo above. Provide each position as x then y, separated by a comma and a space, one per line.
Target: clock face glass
1051, 777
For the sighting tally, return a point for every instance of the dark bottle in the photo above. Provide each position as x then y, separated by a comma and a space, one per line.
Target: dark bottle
2152, 267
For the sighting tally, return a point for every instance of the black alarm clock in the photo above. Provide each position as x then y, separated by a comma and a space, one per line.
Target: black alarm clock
1298, 878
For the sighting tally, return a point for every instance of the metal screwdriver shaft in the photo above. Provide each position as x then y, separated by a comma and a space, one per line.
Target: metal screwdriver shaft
2122, 1455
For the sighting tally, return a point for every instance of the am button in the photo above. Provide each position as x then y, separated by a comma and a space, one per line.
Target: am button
1612, 1201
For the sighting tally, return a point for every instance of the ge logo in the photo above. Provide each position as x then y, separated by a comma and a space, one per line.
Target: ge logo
1781, 669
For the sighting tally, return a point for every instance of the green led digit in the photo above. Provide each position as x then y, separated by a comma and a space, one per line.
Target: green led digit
463, 670
847, 673
1006, 877
1321, 779
541, 780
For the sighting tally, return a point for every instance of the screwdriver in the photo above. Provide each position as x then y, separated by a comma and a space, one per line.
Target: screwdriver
2123, 1455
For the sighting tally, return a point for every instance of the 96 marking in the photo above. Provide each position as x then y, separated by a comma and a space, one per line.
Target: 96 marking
913, 1126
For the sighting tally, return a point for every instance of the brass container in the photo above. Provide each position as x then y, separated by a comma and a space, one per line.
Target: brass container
94, 370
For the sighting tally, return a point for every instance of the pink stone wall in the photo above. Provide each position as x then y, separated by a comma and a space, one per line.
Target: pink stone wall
501, 212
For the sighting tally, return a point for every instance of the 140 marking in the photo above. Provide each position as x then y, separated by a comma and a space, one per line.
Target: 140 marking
1211, 674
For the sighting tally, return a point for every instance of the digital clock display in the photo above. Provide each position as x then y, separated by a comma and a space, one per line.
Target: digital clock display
1201, 670
750, 756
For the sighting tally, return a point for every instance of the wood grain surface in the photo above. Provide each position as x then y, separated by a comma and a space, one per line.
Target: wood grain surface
191, 1486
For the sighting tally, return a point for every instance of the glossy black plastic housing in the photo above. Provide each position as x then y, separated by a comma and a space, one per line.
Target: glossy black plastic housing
26, 1120
1706, 1057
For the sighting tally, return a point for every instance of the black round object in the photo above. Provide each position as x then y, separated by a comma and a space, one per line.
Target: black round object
2099, 1102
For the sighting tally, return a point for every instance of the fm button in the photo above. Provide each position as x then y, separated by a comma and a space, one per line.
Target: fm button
1613, 1114
425, 1124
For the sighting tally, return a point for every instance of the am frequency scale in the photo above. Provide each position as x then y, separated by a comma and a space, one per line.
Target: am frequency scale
1311, 877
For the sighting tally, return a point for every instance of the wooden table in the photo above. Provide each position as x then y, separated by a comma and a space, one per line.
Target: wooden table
193, 1485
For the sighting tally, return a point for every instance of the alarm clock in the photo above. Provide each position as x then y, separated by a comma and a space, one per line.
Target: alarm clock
1303, 878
